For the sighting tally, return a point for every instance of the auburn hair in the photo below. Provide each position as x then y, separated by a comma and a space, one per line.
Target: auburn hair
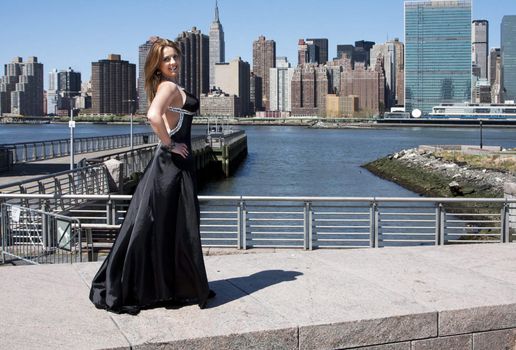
152, 63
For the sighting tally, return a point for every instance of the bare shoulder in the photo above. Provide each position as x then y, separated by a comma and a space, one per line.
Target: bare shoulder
167, 87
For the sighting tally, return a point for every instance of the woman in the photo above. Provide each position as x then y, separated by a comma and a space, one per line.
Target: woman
157, 256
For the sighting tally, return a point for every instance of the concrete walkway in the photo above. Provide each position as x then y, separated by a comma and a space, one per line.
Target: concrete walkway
453, 297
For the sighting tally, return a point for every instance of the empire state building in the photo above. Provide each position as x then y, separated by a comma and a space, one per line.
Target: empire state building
217, 47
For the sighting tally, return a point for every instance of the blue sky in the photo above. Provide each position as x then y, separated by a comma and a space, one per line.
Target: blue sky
73, 34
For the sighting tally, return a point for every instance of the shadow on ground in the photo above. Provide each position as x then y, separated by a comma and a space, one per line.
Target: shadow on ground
242, 286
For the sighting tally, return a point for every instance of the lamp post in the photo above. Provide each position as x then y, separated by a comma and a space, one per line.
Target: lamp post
71, 125
131, 105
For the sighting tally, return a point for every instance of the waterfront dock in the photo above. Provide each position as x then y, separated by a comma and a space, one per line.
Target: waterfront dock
227, 149
454, 297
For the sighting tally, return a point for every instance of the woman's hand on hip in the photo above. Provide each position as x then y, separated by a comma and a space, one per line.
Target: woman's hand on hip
178, 148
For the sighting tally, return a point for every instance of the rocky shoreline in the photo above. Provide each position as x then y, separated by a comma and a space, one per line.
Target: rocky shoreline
421, 171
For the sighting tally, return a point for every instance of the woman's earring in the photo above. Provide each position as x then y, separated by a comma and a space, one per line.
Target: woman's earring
158, 73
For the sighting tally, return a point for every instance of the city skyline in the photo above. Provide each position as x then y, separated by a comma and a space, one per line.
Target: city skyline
341, 22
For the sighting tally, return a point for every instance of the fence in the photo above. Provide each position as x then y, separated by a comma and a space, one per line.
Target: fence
32, 151
38, 237
321, 222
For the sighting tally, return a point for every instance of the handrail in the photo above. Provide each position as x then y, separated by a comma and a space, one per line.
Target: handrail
76, 139
269, 198
44, 177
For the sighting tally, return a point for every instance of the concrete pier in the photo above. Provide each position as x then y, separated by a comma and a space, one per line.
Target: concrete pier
453, 297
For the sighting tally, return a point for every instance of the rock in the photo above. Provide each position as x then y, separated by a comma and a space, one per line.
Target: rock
455, 188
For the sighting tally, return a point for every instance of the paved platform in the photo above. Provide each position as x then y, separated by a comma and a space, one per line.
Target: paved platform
453, 297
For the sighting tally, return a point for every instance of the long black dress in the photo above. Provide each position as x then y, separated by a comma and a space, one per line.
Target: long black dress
157, 256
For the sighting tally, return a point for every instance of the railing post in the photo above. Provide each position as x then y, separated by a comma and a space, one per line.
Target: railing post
244, 226
240, 211
440, 216
504, 224
109, 212
307, 230
373, 225
24, 155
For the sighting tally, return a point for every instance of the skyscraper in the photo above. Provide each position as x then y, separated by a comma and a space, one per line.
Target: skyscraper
143, 50
345, 49
302, 52
322, 50
494, 56
508, 55
52, 92
233, 78
280, 84
68, 86
217, 45
309, 88
495, 74
264, 58
362, 52
392, 54
480, 46
113, 86
194, 75
437, 53
21, 89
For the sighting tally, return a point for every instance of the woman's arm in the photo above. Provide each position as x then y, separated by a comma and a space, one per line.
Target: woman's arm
164, 96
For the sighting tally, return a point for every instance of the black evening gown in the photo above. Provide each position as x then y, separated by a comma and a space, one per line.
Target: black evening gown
157, 256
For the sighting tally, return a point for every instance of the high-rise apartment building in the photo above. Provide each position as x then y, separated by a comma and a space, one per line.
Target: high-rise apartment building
309, 88
255, 92
302, 52
494, 56
233, 78
437, 53
21, 88
480, 46
320, 51
367, 84
346, 50
392, 53
361, 52
280, 84
194, 75
508, 58
143, 50
217, 45
495, 74
113, 85
68, 87
264, 58
52, 96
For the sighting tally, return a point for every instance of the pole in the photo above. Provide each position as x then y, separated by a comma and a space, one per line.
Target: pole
71, 124
481, 140
131, 129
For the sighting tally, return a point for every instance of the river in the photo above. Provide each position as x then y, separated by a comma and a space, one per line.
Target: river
299, 161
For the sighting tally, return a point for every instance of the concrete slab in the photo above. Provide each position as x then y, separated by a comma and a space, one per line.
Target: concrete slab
373, 298
47, 307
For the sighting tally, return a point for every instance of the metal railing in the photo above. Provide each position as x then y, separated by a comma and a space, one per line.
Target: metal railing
41, 150
321, 222
38, 237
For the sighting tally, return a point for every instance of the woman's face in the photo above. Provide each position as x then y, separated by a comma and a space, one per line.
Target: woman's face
170, 63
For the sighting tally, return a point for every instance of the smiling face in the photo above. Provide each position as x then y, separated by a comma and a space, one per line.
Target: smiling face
170, 63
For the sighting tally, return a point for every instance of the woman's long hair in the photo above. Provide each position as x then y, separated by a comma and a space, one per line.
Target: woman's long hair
154, 57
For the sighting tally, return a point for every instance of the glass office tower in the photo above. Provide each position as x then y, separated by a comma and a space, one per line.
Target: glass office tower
508, 55
437, 53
